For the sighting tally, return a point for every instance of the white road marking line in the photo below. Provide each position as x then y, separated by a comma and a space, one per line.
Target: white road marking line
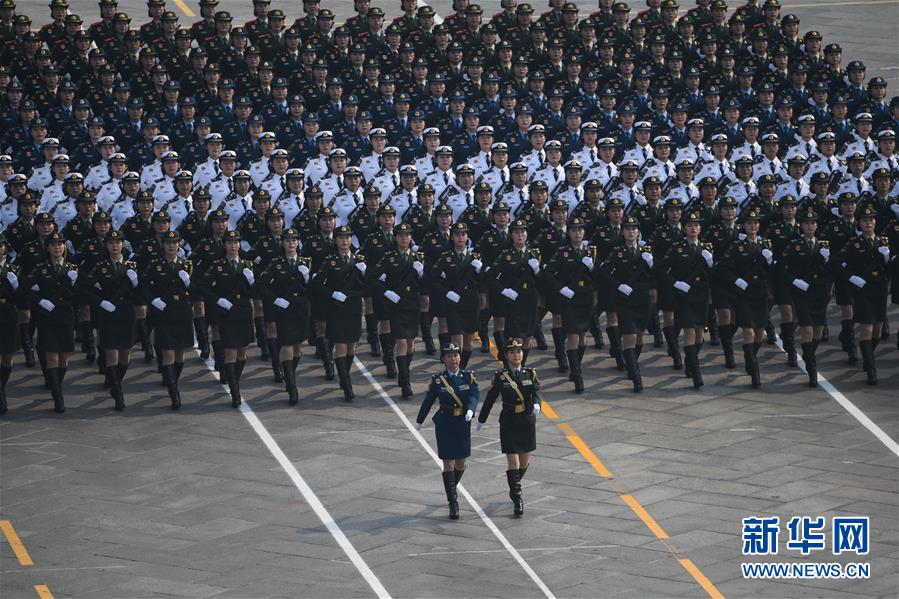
850, 407
362, 430
530, 549
468, 497
308, 494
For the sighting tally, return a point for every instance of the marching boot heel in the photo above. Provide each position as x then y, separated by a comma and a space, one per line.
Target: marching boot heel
449, 485
513, 477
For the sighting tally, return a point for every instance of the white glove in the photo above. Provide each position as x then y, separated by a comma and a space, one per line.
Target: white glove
281, 302
647, 257
453, 297
340, 297
248, 275
224, 304
468, 415
419, 267
479, 427
35, 287
825, 253
707, 256
418, 426
257, 260
800, 284
857, 281
158, 304
478, 265
245, 245
46, 305
741, 236
895, 209
835, 211
132, 276
535, 266
885, 252
536, 409
625, 289
72, 276
392, 296
567, 292
107, 305
361, 267
769, 257
588, 262
681, 286
304, 270
510, 293
13, 279
185, 278
741, 283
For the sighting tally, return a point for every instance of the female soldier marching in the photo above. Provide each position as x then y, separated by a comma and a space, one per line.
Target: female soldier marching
397, 277
803, 268
9, 319
51, 291
519, 390
283, 287
227, 285
745, 267
111, 288
340, 284
456, 393
685, 270
456, 274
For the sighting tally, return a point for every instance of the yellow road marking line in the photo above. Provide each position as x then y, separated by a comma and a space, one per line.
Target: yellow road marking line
548, 410
641, 513
43, 592
16, 543
704, 582
584, 450
184, 8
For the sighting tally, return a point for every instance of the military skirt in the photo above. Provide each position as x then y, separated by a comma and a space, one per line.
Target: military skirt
811, 306
116, 335
751, 312
404, 321
520, 315
633, 311
344, 320
517, 432
691, 310
453, 435
55, 338
9, 329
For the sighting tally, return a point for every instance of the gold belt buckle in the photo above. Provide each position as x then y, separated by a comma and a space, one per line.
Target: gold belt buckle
519, 408
457, 411
237, 296
2, 300
874, 273
524, 285
176, 298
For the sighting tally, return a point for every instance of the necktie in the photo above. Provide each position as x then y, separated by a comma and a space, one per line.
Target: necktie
542, 157
502, 176
395, 181
592, 156
339, 182
521, 196
609, 170
644, 154
555, 174
445, 179
858, 184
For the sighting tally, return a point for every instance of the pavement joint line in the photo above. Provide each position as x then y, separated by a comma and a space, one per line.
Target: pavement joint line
635, 506
12, 537
183, 7
468, 496
29, 570
850, 407
308, 494
42, 591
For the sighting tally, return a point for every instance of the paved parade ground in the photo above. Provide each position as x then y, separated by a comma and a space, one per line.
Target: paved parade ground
628, 495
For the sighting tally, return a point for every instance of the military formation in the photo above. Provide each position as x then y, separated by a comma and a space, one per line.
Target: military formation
673, 175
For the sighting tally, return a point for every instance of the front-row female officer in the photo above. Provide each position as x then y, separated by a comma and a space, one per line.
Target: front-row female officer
518, 388
456, 393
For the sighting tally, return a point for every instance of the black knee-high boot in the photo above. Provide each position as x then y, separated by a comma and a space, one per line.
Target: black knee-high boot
787, 330
727, 344
273, 351
115, 387
466, 356
524, 356
387, 355
538, 330
27, 344
371, 335
692, 360
343, 373
424, 324
55, 382
811, 363
5, 371
598, 342
633, 369
259, 327
484, 331
324, 350
449, 485
866, 347
673, 347
444, 339
290, 381
714, 333
170, 379
655, 327
769, 333
559, 345
752, 364
143, 335
87, 341
499, 338
575, 366
458, 474
202, 333
404, 378
614, 334
514, 479
847, 338
233, 383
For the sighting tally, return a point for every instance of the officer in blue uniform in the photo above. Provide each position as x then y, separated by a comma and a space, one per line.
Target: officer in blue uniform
456, 393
